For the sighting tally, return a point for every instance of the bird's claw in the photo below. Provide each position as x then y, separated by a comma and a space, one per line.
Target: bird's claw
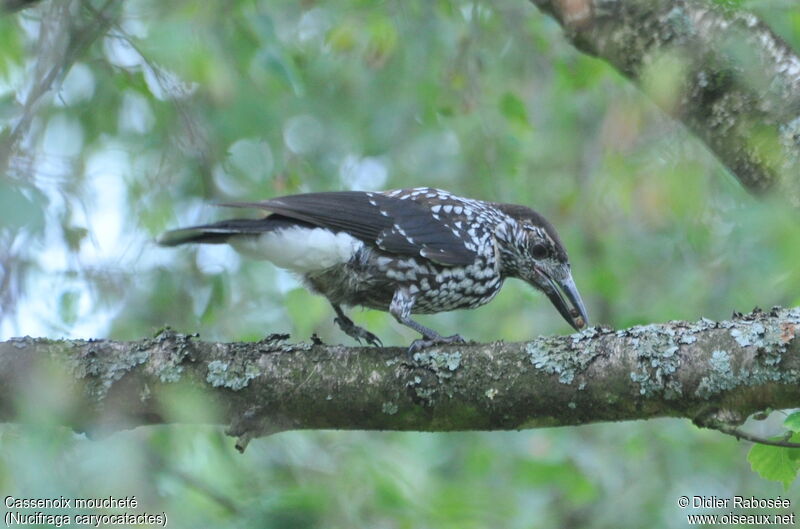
357, 333
368, 337
423, 343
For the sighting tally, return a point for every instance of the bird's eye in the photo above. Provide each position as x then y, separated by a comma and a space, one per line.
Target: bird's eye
538, 251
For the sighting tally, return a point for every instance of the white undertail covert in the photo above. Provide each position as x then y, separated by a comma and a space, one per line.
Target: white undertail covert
300, 249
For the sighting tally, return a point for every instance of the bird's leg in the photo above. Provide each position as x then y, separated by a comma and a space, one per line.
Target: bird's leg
400, 308
352, 330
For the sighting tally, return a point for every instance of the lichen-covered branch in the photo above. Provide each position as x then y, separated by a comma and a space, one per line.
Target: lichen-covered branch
705, 371
738, 85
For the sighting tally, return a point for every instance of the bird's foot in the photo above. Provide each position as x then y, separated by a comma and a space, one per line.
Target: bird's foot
423, 343
358, 333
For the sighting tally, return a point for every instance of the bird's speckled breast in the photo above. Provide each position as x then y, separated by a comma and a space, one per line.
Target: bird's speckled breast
372, 276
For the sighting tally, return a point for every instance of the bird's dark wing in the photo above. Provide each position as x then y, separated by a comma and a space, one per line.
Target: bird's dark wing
392, 224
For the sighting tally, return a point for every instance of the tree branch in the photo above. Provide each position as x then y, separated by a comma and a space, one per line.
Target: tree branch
739, 88
740, 434
713, 373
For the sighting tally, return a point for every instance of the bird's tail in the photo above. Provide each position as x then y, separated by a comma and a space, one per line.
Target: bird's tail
222, 231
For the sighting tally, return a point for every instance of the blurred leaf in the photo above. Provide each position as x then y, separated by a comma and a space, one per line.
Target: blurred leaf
582, 72
74, 236
10, 45
792, 422
382, 41
564, 477
513, 109
68, 306
21, 209
343, 38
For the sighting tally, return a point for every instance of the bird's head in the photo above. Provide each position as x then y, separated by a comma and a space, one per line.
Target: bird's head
531, 250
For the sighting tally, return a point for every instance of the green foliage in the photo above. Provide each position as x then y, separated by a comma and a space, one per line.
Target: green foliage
513, 108
792, 422
776, 463
730, 3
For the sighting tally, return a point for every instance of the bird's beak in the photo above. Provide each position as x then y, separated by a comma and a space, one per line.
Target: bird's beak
571, 308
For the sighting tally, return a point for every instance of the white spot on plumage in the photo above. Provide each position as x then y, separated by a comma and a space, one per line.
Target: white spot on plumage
300, 249
448, 208
393, 274
457, 210
436, 208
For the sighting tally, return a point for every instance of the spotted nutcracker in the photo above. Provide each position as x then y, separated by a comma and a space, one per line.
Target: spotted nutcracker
405, 251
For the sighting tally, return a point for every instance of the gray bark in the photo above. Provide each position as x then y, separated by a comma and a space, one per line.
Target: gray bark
740, 88
715, 373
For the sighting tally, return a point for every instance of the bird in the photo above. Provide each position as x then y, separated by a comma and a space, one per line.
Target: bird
404, 251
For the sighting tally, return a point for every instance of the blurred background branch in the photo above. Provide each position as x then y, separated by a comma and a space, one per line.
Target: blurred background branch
10, 6
720, 71
737, 85
66, 34
698, 371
